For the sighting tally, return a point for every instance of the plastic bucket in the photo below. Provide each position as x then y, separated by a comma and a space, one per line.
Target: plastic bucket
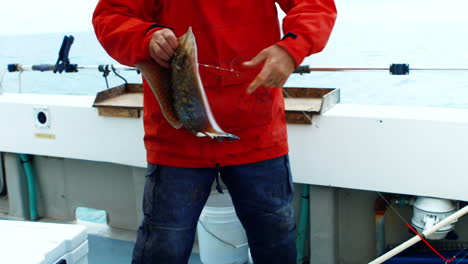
221, 237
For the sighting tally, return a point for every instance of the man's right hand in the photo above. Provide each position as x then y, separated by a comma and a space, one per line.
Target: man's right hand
162, 45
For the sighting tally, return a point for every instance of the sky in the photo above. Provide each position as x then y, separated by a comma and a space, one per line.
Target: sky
21, 17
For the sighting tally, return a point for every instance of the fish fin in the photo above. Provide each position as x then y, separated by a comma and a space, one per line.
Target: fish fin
159, 80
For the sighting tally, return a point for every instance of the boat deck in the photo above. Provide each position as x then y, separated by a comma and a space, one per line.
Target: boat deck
103, 250
106, 245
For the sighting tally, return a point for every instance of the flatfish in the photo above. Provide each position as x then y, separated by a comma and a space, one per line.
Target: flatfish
180, 92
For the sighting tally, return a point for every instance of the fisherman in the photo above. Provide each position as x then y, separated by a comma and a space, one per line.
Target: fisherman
243, 62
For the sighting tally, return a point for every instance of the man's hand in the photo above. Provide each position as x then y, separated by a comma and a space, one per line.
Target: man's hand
162, 45
276, 70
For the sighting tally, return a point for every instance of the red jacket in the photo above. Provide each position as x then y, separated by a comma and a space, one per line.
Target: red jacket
227, 32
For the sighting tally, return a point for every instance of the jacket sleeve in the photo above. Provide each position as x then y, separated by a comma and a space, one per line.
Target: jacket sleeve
124, 28
307, 26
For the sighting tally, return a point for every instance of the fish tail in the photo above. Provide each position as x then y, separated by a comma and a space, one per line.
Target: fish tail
222, 135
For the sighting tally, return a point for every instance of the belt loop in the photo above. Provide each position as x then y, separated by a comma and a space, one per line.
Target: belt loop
219, 187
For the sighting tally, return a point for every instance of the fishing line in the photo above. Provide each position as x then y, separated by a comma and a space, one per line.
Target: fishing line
237, 72
461, 252
390, 205
466, 254
461, 258
456, 255
219, 68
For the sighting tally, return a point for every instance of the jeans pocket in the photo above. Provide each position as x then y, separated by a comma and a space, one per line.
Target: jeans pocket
289, 175
150, 189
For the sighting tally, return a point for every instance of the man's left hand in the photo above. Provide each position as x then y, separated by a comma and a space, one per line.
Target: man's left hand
278, 65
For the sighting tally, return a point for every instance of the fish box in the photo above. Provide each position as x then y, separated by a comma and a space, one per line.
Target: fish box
122, 101
42, 243
302, 103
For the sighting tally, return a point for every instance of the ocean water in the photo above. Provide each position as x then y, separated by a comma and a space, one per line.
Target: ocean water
367, 33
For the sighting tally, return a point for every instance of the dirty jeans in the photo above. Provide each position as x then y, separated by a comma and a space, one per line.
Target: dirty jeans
174, 197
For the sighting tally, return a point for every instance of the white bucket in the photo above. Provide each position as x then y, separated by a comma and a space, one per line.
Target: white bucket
221, 237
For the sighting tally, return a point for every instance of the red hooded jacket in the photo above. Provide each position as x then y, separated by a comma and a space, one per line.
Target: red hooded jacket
227, 32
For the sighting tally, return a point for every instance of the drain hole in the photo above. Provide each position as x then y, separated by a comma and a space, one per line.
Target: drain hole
41, 117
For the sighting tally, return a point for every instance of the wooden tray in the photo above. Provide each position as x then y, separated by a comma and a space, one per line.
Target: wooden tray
120, 101
302, 103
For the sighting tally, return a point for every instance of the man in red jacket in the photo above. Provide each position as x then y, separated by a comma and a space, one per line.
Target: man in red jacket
242, 35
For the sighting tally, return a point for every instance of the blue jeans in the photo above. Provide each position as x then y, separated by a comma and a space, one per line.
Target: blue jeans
174, 198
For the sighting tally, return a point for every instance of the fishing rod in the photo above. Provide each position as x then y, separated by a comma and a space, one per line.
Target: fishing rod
104, 68
63, 65
393, 69
75, 68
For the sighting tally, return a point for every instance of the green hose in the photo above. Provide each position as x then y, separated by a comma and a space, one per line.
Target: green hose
303, 223
30, 178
